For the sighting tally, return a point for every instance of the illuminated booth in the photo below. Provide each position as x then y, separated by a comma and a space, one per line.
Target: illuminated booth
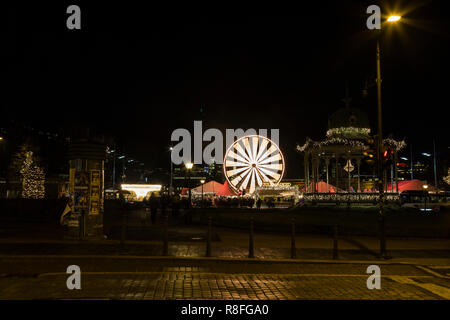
139, 192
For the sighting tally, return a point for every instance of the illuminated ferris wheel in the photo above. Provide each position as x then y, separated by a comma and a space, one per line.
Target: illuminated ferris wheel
251, 161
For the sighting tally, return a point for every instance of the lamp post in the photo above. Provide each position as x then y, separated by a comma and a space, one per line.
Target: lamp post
202, 182
380, 148
425, 187
171, 173
189, 166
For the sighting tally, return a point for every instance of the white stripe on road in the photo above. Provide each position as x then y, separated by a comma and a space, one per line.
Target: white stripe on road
443, 292
436, 274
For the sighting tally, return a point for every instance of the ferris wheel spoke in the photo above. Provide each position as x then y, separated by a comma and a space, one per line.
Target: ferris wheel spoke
240, 150
274, 166
274, 175
264, 177
258, 178
255, 141
232, 173
247, 178
247, 149
266, 154
237, 156
252, 181
230, 163
236, 180
271, 170
262, 148
273, 158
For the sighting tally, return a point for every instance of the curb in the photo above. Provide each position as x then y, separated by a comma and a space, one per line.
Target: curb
213, 259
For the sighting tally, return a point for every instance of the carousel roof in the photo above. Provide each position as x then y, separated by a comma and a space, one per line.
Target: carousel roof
348, 117
349, 128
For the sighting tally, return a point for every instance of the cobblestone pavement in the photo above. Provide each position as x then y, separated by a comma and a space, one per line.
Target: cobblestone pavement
232, 282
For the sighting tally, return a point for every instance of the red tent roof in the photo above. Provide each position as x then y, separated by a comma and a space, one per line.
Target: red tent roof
209, 187
322, 187
225, 190
409, 185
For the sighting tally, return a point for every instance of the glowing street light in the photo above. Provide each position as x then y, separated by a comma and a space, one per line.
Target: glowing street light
171, 172
202, 182
189, 166
425, 187
394, 18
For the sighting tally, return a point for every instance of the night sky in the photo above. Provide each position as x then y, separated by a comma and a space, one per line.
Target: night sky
138, 73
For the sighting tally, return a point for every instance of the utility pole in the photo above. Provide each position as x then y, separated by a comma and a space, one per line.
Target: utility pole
114, 167
171, 172
412, 167
379, 153
435, 172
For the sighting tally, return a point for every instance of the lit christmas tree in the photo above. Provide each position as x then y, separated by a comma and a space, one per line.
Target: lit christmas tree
33, 178
447, 178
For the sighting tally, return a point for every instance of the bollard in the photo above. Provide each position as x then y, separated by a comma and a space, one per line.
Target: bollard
81, 225
144, 217
293, 249
251, 253
208, 239
153, 215
335, 243
124, 228
166, 237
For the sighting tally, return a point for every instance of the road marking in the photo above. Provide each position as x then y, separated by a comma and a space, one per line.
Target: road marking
433, 288
439, 267
436, 274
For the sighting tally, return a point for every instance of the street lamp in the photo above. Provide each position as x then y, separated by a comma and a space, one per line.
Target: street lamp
171, 172
189, 166
425, 187
202, 182
391, 19
394, 18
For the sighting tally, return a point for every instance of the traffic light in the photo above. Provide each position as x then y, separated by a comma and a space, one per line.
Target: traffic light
387, 157
369, 153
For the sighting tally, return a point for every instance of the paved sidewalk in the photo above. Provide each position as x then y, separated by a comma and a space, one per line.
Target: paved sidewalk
311, 281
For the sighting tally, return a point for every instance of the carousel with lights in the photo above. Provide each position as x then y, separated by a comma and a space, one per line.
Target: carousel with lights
337, 164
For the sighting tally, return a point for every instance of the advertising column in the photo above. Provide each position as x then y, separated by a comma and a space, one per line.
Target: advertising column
86, 187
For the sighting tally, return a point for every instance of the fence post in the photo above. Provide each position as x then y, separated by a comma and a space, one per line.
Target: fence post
208, 239
81, 225
166, 236
251, 253
124, 226
335, 243
293, 249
